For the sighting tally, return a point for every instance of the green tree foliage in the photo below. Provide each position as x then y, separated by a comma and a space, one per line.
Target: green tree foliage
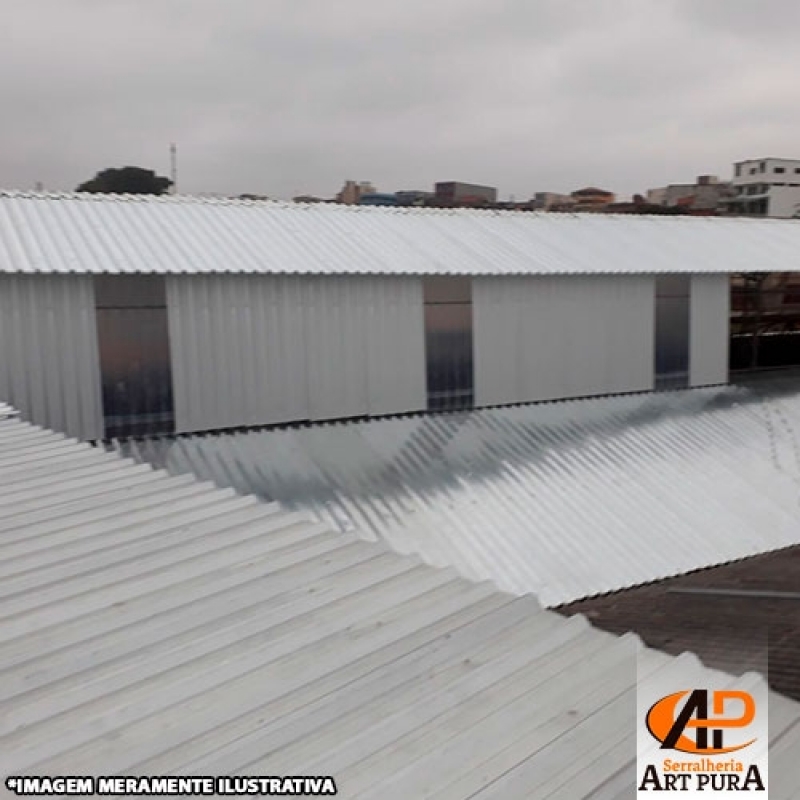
127, 180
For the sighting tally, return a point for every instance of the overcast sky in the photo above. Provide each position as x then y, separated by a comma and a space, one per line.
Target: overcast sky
283, 97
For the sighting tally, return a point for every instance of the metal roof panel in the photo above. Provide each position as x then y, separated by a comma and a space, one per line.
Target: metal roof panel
187, 235
208, 633
565, 500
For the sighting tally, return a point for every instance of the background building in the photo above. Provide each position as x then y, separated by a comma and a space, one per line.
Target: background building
123, 315
704, 195
456, 193
378, 199
767, 187
413, 197
591, 199
352, 192
549, 201
402, 198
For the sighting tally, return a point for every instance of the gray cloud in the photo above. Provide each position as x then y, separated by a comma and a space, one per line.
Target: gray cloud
282, 97
770, 22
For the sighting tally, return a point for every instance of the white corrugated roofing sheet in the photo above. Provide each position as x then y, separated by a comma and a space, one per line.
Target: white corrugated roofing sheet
7, 411
154, 625
565, 500
121, 234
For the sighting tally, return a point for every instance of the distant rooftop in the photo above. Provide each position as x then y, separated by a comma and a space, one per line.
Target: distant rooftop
591, 190
738, 617
766, 158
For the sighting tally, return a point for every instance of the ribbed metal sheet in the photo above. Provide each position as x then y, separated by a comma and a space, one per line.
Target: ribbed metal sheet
49, 366
152, 625
550, 337
565, 500
709, 330
263, 349
102, 233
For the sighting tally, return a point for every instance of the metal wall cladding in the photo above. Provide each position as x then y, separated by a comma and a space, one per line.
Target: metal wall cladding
102, 233
253, 350
547, 337
564, 500
49, 366
710, 315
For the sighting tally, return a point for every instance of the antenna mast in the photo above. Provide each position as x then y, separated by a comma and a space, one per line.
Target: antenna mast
173, 157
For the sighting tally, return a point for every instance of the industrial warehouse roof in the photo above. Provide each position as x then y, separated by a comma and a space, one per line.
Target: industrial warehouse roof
565, 500
120, 234
154, 625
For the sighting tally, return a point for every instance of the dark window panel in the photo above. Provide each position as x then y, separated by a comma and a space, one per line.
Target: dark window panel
444, 289
448, 342
135, 368
130, 291
672, 331
673, 286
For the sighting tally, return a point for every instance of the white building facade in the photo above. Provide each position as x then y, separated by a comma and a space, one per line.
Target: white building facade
766, 187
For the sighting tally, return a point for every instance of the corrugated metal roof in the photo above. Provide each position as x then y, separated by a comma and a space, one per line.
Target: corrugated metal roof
154, 625
566, 500
7, 411
107, 233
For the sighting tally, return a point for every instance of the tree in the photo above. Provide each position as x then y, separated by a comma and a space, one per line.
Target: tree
127, 180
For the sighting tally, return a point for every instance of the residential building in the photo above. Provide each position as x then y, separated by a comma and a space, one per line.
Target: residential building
352, 191
705, 194
457, 193
591, 199
549, 201
766, 187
